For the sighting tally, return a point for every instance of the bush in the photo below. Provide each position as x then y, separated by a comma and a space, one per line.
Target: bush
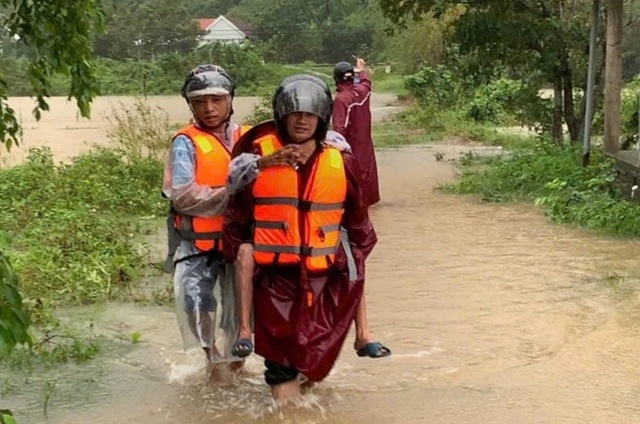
72, 227
494, 102
435, 87
553, 177
136, 141
263, 110
162, 76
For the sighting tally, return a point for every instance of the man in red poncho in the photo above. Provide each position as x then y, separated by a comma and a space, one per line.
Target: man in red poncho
309, 280
352, 118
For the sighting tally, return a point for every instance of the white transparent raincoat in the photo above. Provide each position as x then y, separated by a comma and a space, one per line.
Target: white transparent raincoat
203, 286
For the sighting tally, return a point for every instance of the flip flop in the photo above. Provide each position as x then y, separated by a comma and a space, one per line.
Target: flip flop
242, 348
374, 350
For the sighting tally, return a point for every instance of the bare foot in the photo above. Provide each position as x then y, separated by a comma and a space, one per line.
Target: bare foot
307, 386
221, 373
237, 366
286, 391
362, 340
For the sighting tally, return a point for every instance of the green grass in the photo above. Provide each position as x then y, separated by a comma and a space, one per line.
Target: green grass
395, 134
417, 125
389, 83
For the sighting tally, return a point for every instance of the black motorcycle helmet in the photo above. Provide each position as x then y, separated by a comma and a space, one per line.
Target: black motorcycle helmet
208, 80
303, 93
343, 71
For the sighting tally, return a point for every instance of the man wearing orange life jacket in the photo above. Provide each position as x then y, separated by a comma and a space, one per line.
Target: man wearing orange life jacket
304, 295
194, 182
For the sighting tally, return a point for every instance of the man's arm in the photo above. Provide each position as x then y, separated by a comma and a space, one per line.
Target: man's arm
365, 81
246, 167
187, 196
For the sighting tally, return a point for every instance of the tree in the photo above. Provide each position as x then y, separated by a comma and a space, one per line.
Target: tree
319, 30
55, 46
613, 78
210, 8
146, 29
290, 29
544, 42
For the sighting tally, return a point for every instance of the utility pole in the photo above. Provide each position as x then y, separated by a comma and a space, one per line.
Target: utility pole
588, 119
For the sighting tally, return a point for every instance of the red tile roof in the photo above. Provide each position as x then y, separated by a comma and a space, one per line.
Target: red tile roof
206, 23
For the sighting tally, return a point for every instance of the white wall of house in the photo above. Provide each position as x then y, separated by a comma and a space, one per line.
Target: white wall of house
222, 31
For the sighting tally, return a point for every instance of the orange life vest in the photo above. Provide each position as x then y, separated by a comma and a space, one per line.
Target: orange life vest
212, 168
293, 227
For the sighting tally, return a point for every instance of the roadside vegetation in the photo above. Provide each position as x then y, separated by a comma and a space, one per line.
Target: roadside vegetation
76, 234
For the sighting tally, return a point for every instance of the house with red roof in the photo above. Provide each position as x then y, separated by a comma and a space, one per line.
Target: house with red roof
223, 30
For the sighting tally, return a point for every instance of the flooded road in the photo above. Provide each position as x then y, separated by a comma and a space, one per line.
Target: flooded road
494, 315
67, 134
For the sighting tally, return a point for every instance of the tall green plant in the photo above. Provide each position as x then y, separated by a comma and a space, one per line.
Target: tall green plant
14, 321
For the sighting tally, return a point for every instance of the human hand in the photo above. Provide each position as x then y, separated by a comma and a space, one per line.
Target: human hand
360, 64
289, 155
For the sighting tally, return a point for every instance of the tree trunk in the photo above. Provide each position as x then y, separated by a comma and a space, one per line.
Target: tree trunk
569, 108
556, 132
613, 77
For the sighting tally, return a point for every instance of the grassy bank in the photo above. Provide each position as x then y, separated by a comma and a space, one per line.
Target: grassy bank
552, 176
76, 234
417, 125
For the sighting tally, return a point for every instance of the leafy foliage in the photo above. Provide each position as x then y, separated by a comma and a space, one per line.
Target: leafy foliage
55, 47
553, 177
14, 321
163, 75
6, 417
146, 29
71, 227
541, 43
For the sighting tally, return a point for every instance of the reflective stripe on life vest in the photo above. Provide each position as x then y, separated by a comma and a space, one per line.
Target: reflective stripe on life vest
293, 227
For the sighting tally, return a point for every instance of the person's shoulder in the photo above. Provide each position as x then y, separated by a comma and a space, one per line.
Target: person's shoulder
345, 94
336, 140
246, 143
182, 141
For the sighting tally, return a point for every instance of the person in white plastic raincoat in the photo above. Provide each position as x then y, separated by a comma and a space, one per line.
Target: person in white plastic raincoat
194, 182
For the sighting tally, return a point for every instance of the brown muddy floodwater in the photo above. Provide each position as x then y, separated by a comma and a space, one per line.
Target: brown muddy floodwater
494, 315
67, 134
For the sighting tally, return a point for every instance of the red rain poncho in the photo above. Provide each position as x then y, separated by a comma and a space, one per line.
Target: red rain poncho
352, 118
287, 330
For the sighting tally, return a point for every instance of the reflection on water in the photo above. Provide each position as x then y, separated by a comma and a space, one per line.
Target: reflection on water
494, 315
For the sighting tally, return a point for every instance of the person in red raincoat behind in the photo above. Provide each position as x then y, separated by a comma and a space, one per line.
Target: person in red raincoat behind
308, 281
352, 118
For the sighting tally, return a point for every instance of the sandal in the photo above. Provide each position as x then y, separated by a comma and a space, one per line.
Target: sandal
242, 348
373, 350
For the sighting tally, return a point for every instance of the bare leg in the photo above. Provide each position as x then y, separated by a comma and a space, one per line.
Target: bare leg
363, 334
201, 327
244, 289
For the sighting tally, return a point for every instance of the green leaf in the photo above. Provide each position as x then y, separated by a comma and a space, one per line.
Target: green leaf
14, 321
10, 294
7, 343
6, 417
